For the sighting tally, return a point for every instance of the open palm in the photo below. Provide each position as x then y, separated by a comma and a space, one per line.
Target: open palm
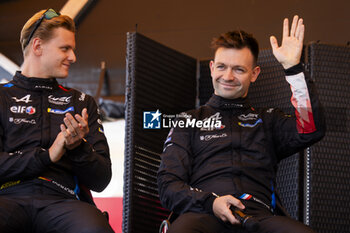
289, 53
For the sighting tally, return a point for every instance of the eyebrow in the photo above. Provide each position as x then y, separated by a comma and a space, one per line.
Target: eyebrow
68, 46
235, 66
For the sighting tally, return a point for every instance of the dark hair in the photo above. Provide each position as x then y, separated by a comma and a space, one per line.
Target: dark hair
237, 40
45, 30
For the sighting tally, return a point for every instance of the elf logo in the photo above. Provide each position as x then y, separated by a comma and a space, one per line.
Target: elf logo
30, 110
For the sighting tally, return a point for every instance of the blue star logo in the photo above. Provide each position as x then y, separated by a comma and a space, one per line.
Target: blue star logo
151, 120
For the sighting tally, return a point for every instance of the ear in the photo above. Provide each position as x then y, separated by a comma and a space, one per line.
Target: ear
255, 74
36, 46
211, 66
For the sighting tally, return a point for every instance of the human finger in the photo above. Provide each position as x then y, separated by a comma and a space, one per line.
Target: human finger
232, 219
273, 42
226, 213
83, 125
299, 25
285, 27
63, 130
300, 36
81, 121
294, 25
84, 114
235, 202
71, 124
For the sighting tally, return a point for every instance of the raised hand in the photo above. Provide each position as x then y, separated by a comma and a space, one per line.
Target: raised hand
289, 53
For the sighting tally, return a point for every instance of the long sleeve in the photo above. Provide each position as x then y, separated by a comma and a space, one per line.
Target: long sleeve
23, 163
308, 126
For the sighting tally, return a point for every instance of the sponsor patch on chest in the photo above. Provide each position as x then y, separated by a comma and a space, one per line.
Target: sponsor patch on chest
25, 99
60, 111
250, 125
18, 121
216, 119
30, 110
248, 117
63, 100
209, 137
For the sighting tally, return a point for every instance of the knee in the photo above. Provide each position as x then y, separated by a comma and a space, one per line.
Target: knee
96, 228
98, 224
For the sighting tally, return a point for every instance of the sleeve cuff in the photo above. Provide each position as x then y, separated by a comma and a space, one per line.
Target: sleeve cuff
77, 154
208, 204
294, 69
44, 157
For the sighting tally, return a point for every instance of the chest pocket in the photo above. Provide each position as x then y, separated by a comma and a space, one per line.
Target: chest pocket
253, 139
24, 117
56, 115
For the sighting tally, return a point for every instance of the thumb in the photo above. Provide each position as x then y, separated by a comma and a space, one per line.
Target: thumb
273, 42
237, 203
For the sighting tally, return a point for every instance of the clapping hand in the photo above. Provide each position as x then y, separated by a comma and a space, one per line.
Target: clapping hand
75, 129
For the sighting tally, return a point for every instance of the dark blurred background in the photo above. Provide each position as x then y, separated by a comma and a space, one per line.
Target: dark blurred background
186, 26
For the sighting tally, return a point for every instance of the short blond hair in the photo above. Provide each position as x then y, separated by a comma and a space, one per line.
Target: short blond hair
45, 30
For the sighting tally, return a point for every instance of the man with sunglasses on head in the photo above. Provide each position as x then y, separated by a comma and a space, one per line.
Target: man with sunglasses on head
221, 177
52, 146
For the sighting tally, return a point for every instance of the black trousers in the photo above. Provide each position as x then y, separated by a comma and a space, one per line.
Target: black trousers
47, 211
206, 223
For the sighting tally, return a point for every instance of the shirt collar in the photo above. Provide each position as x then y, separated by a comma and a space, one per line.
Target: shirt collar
33, 83
222, 103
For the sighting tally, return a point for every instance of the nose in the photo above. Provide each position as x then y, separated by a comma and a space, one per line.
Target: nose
71, 57
228, 76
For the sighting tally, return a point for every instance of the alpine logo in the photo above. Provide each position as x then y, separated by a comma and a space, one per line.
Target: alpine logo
30, 110
26, 99
216, 117
59, 100
59, 111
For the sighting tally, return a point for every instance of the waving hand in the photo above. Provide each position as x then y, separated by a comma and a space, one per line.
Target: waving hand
289, 53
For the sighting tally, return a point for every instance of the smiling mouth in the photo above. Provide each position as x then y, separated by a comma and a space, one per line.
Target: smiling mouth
228, 85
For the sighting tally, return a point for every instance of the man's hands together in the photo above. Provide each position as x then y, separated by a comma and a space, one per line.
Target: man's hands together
75, 129
72, 132
289, 53
221, 208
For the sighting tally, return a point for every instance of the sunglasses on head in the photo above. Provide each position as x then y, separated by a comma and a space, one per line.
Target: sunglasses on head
48, 14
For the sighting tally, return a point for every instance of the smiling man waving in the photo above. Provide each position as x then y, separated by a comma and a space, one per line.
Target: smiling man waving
211, 175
